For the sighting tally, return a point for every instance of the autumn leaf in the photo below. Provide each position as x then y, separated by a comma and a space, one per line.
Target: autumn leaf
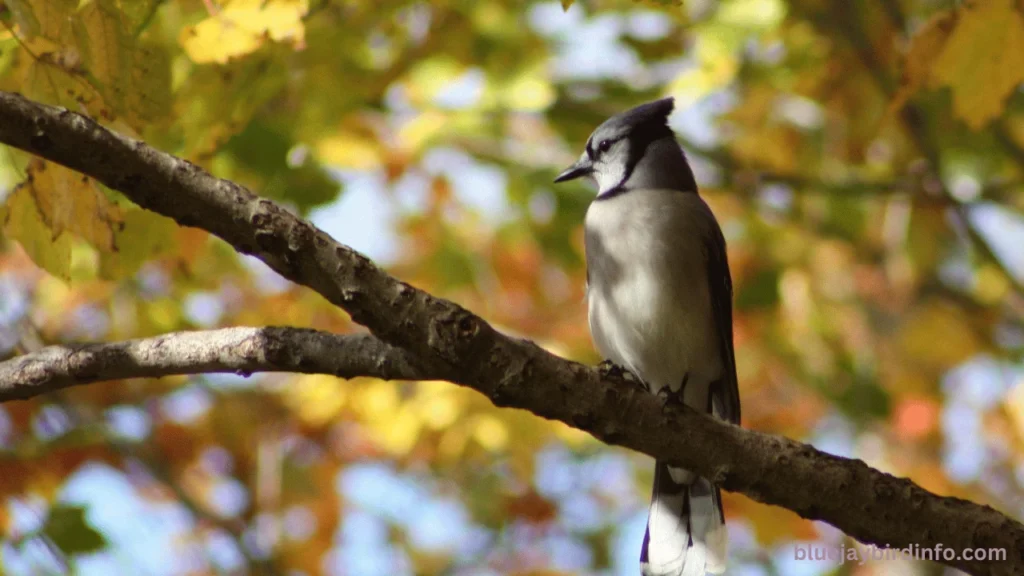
23, 221
54, 201
316, 399
87, 54
862, 316
132, 14
141, 236
46, 18
924, 49
1014, 406
916, 416
49, 72
242, 27
983, 60
69, 201
531, 507
938, 335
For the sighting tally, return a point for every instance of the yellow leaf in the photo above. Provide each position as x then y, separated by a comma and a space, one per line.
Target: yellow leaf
242, 27
717, 66
70, 201
130, 13
983, 61
103, 42
768, 147
133, 77
938, 335
430, 77
349, 150
453, 442
1015, 407
416, 134
86, 57
574, 437
378, 399
990, 285
438, 407
141, 236
925, 46
530, 92
398, 434
217, 39
752, 14
491, 433
162, 315
52, 294
23, 222
48, 72
315, 398
50, 19
771, 525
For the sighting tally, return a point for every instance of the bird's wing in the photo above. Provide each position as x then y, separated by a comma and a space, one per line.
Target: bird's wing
720, 288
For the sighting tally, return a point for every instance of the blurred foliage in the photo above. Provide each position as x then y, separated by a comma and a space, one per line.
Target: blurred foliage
866, 160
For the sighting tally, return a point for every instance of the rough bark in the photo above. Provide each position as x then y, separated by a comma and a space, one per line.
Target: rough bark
238, 350
448, 342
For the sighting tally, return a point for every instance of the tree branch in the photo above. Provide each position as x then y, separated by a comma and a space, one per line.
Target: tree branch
448, 342
239, 350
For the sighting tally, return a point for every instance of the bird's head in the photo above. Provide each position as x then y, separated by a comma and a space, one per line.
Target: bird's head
634, 148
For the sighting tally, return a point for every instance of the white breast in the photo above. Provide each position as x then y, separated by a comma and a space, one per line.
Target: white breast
648, 298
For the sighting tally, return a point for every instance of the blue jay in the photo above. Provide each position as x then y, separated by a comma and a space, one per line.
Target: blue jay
659, 300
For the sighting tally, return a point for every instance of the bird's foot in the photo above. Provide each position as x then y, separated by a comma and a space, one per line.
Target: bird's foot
607, 368
674, 398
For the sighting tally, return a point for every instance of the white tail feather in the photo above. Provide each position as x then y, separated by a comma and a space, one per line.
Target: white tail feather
685, 532
668, 535
717, 544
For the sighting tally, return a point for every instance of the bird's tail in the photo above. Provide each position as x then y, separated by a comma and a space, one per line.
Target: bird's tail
685, 526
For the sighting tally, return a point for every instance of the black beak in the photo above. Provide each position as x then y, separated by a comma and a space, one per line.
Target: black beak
582, 167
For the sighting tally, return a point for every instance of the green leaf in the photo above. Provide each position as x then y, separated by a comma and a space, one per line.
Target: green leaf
216, 102
761, 291
262, 150
845, 218
459, 266
68, 529
864, 401
856, 392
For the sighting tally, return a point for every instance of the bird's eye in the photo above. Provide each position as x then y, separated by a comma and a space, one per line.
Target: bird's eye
604, 145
